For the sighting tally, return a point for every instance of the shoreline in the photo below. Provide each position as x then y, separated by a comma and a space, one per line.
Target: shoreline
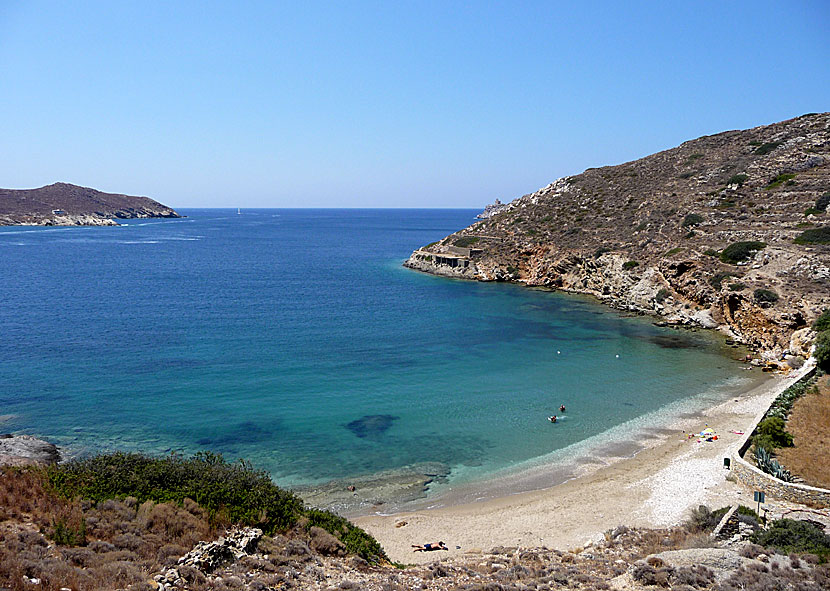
431, 485
654, 487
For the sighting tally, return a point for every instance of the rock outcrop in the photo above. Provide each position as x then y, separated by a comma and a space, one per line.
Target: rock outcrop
652, 235
494, 208
62, 204
22, 450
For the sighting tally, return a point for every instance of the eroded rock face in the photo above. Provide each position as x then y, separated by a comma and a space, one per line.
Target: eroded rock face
22, 450
646, 235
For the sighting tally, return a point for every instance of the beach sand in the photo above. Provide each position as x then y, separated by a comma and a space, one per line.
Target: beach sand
656, 487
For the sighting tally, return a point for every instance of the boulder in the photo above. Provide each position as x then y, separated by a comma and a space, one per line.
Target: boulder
22, 450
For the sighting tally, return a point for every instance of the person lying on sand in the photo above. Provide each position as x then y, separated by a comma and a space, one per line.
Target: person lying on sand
430, 547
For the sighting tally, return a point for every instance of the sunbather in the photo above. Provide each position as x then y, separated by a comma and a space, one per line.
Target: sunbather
430, 547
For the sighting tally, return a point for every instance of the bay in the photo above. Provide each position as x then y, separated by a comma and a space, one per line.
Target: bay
295, 339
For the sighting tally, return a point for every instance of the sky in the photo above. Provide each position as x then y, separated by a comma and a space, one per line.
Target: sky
384, 104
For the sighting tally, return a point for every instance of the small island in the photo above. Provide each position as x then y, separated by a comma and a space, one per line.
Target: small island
64, 204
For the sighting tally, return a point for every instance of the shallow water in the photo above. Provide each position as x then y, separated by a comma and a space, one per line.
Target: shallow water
295, 339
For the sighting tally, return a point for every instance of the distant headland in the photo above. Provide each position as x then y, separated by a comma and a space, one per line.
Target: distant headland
63, 204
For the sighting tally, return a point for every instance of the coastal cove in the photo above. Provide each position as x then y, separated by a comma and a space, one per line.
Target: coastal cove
295, 339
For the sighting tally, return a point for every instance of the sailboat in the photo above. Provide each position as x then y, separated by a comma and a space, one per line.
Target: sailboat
238, 211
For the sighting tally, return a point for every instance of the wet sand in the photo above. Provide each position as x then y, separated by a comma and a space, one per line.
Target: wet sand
665, 478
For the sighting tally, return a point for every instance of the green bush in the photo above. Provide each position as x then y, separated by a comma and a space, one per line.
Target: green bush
823, 202
711, 252
771, 434
814, 236
465, 241
740, 251
628, 265
693, 219
779, 180
764, 297
673, 251
738, 286
661, 295
737, 179
66, 535
822, 323
767, 148
716, 280
822, 352
601, 251
789, 535
812, 211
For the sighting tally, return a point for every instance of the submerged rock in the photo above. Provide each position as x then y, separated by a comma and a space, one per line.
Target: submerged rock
370, 425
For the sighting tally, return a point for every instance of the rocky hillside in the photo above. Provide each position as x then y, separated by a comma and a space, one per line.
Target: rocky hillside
126, 521
62, 204
728, 230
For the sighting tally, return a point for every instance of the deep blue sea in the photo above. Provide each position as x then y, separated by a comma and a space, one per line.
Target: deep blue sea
294, 338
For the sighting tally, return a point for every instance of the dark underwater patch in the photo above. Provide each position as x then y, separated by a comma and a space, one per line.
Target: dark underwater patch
371, 425
244, 433
673, 341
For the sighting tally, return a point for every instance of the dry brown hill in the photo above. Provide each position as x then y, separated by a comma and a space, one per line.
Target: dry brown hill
65, 204
727, 230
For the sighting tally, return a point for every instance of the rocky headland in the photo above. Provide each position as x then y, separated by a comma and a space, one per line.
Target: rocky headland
63, 204
729, 230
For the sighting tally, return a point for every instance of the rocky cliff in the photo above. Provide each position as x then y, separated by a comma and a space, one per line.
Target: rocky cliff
62, 204
729, 230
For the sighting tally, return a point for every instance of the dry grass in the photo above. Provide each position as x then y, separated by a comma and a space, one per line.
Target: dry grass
125, 542
809, 423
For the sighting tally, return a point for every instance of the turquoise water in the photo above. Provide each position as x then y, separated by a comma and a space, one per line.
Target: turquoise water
274, 334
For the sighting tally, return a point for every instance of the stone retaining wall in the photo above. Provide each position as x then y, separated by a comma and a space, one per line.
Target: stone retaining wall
758, 480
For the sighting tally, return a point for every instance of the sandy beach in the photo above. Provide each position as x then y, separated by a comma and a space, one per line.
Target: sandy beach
656, 487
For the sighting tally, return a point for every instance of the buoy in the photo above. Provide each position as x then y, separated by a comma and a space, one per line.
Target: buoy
617, 355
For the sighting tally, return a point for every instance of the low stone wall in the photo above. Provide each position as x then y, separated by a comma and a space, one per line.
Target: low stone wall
787, 491
758, 480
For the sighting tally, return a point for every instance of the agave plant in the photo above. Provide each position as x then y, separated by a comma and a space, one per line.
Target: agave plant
765, 461
762, 458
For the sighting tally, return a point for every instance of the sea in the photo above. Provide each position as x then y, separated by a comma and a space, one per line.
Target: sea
295, 339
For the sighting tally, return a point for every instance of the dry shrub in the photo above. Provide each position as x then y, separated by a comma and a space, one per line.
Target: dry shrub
23, 493
168, 554
654, 541
698, 541
178, 524
126, 541
751, 551
120, 574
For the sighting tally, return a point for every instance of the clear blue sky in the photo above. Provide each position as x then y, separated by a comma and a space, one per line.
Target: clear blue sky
384, 104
